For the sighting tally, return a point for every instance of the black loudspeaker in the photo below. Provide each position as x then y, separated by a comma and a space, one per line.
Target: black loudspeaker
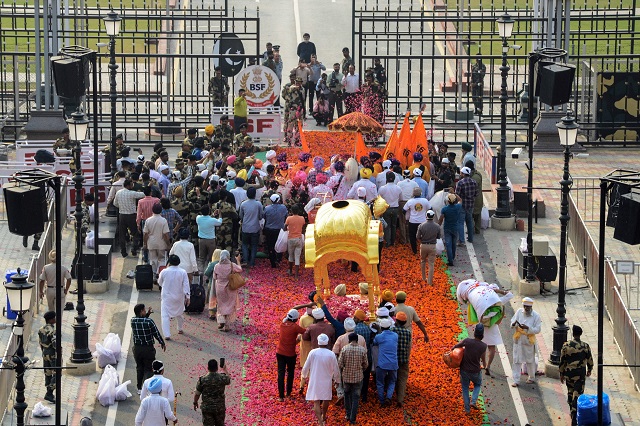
71, 76
555, 83
628, 224
26, 208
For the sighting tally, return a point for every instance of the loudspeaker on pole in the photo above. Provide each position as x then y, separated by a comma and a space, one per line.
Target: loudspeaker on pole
26, 207
628, 224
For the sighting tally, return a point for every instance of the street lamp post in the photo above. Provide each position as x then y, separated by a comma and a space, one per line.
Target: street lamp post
503, 210
112, 27
19, 293
568, 132
78, 125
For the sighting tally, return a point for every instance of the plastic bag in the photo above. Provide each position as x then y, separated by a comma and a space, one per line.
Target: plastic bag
41, 410
523, 245
113, 343
485, 220
282, 244
122, 393
453, 358
90, 240
106, 393
588, 410
105, 356
439, 246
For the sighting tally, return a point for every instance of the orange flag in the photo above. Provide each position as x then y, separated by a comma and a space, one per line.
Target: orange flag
361, 148
405, 148
303, 139
419, 141
391, 144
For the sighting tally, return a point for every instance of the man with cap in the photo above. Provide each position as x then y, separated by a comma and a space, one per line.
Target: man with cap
163, 179
186, 252
428, 233
155, 408
211, 387
364, 182
407, 186
416, 208
223, 132
527, 323
337, 322
352, 360
467, 154
197, 198
362, 329
48, 278
334, 81
479, 199
387, 363
391, 194
158, 373
404, 351
321, 370
218, 89
450, 215
410, 314
286, 351
319, 326
468, 190
240, 138
274, 216
250, 213
422, 184
343, 340
445, 176
176, 291
470, 367
576, 364
192, 134
47, 340
381, 178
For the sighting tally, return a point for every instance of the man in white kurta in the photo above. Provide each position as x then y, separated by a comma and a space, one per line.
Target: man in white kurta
167, 385
156, 238
185, 250
174, 295
527, 323
321, 370
155, 408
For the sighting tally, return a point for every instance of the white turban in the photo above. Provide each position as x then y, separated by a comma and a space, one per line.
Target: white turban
270, 154
385, 323
382, 312
349, 324
390, 307
362, 191
527, 301
317, 313
323, 340
274, 198
162, 168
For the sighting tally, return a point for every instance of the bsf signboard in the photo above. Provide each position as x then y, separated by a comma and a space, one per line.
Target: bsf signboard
261, 85
265, 124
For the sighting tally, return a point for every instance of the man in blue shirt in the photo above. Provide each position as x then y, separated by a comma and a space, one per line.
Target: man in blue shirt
250, 214
206, 236
274, 216
449, 215
417, 177
387, 368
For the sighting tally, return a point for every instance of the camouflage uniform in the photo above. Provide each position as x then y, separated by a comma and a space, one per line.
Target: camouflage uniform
119, 148
211, 387
293, 112
575, 363
180, 206
286, 95
218, 89
47, 337
224, 233
195, 202
86, 220
238, 142
60, 143
223, 134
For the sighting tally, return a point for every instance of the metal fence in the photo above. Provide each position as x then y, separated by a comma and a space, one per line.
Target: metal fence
428, 53
47, 242
165, 57
625, 332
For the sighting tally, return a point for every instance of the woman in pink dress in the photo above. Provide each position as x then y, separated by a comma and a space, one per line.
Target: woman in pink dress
227, 298
338, 183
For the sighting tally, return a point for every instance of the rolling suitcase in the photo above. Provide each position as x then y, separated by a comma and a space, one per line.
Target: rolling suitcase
198, 297
144, 277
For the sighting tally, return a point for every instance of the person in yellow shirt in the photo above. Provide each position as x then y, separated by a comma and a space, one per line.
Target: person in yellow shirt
240, 110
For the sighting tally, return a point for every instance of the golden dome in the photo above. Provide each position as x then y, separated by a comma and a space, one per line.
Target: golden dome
342, 222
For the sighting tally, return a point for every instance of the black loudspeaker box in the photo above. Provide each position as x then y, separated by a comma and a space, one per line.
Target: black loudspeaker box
71, 76
555, 83
628, 224
104, 262
26, 208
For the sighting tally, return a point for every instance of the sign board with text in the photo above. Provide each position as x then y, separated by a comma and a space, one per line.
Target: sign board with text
485, 158
265, 124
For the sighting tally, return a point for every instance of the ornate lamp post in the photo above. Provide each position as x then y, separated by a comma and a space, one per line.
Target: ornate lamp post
78, 125
503, 209
19, 293
112, 27
568, 132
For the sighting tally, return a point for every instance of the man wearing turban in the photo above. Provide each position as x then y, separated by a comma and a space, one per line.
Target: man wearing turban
321, 369
155, 408
527, 323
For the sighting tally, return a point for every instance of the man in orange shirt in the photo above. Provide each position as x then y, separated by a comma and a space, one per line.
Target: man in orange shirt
144, 212
294, 225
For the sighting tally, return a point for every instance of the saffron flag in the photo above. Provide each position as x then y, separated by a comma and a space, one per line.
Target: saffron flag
419, 140
361, 148
389, 151
303, 140
405, 148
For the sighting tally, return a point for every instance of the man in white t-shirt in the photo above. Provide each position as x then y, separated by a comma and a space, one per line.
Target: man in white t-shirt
391, 194
407, 185
417, 209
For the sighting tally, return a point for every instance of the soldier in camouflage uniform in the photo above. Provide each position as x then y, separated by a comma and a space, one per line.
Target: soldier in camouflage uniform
219, 89
223, 132
197, 198
120, 146
211, 387
192, 134
226, 208
63, 142
86, 217
47, 338
240, 138
294, 106
576, 364
286, 94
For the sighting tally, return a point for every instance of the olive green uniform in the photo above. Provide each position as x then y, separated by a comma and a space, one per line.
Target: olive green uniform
47, 338
196, 203
219, 90
211, 387
576, 362
60, 143
224, 233
223, 134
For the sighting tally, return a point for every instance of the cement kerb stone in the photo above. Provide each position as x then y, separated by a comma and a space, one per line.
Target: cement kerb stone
529, 288
552, 371
503, 223
80, 369
97, 287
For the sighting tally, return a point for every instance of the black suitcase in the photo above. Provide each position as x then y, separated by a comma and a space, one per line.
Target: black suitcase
198, 297
144, 277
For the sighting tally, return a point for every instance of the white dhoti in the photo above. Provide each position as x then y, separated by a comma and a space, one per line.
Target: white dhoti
524, 346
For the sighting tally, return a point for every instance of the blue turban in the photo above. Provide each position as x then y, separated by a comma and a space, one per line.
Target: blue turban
155, 386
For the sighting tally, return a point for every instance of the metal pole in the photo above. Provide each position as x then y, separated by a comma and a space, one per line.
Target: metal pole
57, 185
560, 330
19, 360
533, 58
81, 352
96, 171
38, 55
502, 192
113, 96
601, 247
